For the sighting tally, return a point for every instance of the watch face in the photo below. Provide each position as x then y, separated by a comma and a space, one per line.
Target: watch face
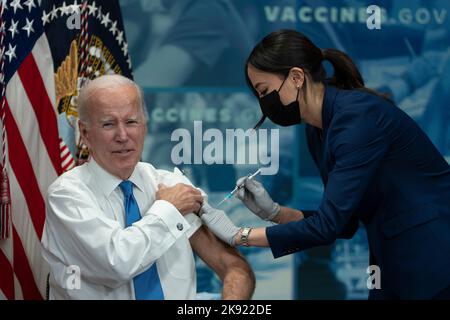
244, 236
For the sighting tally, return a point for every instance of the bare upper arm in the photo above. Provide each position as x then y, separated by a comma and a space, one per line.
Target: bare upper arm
215, 253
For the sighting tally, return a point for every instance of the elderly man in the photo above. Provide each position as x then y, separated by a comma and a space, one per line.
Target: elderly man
124, 228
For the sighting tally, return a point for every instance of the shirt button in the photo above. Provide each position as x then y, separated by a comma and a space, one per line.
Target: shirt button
180, 226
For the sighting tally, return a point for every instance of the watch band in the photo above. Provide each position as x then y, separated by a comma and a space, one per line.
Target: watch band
244, 236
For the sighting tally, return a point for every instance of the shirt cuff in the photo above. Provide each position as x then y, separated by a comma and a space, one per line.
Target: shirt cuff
195, 223
171, 217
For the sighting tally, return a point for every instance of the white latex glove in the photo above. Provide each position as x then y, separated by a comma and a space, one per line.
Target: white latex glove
218, 222
256, 199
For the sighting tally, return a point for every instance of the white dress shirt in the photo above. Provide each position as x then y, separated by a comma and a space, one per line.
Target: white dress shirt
85, 227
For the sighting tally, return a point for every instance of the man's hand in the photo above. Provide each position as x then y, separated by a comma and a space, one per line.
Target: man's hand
185, 198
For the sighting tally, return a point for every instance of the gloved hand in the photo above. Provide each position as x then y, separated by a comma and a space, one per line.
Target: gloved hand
256, 199
219, 223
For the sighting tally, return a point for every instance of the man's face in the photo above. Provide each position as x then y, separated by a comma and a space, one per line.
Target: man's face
115, 130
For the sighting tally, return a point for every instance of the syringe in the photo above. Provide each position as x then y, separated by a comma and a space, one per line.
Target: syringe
230, 194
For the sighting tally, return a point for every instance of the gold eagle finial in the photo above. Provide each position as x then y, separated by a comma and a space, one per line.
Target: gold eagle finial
66, 75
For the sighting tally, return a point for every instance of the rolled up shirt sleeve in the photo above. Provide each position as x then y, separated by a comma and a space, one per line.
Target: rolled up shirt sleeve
172, 178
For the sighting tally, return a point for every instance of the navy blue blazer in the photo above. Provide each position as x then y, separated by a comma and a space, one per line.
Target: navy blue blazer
380, 168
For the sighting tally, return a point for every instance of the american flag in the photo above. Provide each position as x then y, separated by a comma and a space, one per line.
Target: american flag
40, 77
35, 155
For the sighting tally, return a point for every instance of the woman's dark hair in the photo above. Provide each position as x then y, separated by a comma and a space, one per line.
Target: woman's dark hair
282, 50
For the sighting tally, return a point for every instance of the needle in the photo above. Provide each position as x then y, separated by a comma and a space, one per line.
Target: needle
230, 194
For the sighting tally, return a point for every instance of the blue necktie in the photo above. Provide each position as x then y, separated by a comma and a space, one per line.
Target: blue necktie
147, 285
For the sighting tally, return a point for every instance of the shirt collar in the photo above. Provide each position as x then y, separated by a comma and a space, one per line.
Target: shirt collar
136, 178
109, 182
328, 105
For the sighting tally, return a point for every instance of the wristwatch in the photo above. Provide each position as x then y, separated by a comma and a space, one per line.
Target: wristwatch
244, 236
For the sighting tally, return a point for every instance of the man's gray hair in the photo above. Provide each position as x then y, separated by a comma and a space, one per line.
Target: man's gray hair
109, 81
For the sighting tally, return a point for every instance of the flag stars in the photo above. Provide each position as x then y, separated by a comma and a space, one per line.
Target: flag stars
54, 13
60, 11
92, 9
28, 27
11, 53
105, 20
45, 18
64, 9
125, 49
119, 37
99, 15
16, 4
75, 7
113, 28
30, 4
13, 28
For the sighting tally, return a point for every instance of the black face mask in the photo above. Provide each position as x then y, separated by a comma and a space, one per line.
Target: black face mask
277, 112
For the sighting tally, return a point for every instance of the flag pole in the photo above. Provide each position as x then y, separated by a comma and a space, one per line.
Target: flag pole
5, 197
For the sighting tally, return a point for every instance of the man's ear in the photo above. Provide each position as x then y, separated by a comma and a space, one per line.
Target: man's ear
298, 77
82, 126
